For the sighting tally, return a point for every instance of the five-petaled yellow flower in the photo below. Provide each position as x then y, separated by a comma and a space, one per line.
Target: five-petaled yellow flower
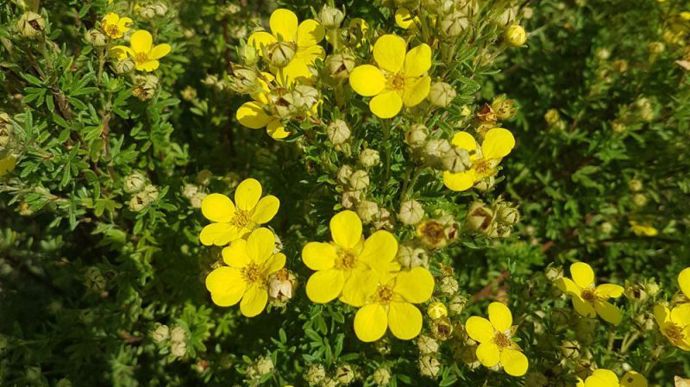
400, 79
496, 346
674, 324
233, 221
497, 144
590, 300
142, 51
258, 114
250, 263
302, 39
390, 305
115, 26
348, 267
606, 378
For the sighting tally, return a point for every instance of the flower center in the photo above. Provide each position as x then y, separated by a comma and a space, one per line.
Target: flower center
588, 295
346, 260
241, 219
674, 333
434, 232
112, 30
482, 167
396, 82
251, 273
502, 340
141, 57
384, 294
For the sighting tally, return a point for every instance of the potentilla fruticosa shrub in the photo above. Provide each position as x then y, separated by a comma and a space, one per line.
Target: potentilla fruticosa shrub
304, 193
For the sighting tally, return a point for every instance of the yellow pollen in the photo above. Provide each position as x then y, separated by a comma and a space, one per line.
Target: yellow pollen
502, 340
346, 260
251, 273
241, 219
384, 294
396, 82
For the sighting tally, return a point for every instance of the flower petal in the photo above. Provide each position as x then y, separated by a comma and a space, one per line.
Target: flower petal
346, 229
371, 322
160, 51
568, 287
479, 329
602, 378
633, 379
416, 90
260, 245
325, 285
254, 300
274, 263
386, 104
247, 194
418, 61
514, 362
582, 307
662, 314
367, 80
283, 24
464, 140
148, 66
389, 52
488, 354
309, 33
141, 41
236, 255
684, 281
276, 130
226, 286
124, 23
218, 234
265, 209
252, 115
404, 19
110, 18
297, 70
359, 286
500, 316
217, 208
609, 290
582, 274
120, 52
379, 251
681, 314
261, 39
460, 181
404, 320
319, 255
415, 285
310, 54
498, 143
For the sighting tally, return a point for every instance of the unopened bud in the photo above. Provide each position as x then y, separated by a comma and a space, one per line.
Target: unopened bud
145, 86
427, 344
279, 54
5, 131
457, 305
340, 65
635, 185
416, 136
359, 180
382, 376
411, 212
161, 333
410, 257
448, 286
456, 160
515, 35
338, 132
96, 38
369, 158
437, 310
552, 117
640, 199
135, 182
429, 366
344, 174
123, 66
367, 211
442, 94
331, 17
656, 48
454, 24
345, 374
316, 373
351, 198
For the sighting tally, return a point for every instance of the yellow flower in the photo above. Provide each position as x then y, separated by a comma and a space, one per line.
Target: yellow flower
233, 221
250, 263
7, 164
258, 114
674, 324
390, 306
684, 282
400, 79
115, 26
405, 20
142, 51
643, 229
348, 266
497, 144
496, 348
606, 378
303, 37
589, 300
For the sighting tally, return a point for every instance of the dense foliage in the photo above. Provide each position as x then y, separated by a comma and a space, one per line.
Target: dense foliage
338, 193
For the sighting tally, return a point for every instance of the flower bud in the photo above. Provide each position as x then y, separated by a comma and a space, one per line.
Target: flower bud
382, 376
441, 94
656, 48
570, 349
636, 292
441, 328
244, 80
429, 366
416, 136
456, 160
338, 133
145, 86
448, 286
504, 108
454, 24
345, 374
188, 94
351, 198
552, 117
367, 211
340, 65
161, 333
411, 212
553, 273
369, 158
515, 35
359, 180
635, 185
304, 98
439, 7
96, 38
434, 151
507, 215
315, 374
279, 54
457, 305
427, 344
123, 66
620, 65
135, 182
480, 218
344, 174
508, 16
437, 310
640, 199
178, 348
5, 131
31, 25
410, 257
331, 17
